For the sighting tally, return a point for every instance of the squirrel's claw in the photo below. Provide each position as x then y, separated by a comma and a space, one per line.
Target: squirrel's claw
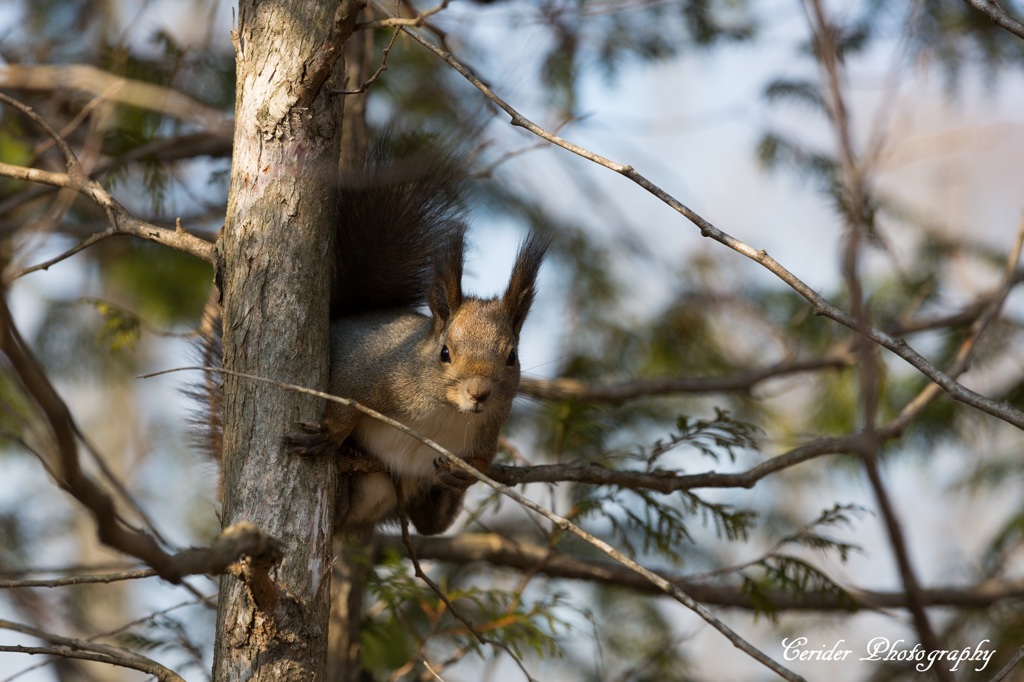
315, 439
451, 478
311, 439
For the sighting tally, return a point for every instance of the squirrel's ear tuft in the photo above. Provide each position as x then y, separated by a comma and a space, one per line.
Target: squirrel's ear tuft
445, 296
523, 283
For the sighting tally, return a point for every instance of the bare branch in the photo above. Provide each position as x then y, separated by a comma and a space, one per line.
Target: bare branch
121, 220
76, 648
986, 306
615, 394
97, 82
996, 13
205, 600
855, 201
111, 566
417, 20
999, 409
80, 579
457, 613
376, 74
671, 481
1010, 665
165, 149
236, 541
561, 522
505, 552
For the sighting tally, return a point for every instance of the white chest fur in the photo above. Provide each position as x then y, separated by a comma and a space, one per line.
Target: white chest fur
408, 457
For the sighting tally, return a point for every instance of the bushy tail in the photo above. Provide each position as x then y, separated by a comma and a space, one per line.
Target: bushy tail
397, 212
207, 419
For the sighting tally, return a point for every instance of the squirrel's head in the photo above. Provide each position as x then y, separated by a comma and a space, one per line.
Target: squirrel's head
478, 339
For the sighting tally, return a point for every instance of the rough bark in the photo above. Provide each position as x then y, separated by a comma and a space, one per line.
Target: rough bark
272, 621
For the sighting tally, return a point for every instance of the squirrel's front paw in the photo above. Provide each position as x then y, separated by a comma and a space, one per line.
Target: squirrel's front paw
312, 439
450, 478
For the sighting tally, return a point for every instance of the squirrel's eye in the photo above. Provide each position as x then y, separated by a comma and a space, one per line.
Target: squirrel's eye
446, 357
512, 358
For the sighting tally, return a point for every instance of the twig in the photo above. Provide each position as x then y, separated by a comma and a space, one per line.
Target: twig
121, 220
999, 409
97, 82
669, 481
986, 307
488, 170
165, 149
432, 673
115, 483
76, 648
119, 566
615, 394
563, 523
150, 667
996, 13
55, 475
1010, 665
421, 574
80, 579
95, 102
418, 20
376, 74
501, 551
854, 201
121, 628
234, 542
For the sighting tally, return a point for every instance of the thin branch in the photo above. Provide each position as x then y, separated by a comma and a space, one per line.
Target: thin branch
996, 13
78, 119
97, 82
987, 306
901, 553
118, 566
205, 600
1010, 665
615, 394
187, 146
55, 475
488, 170
80, 579
854, 201
561, 522
376, 74
418, 20
457, 613
670, 481
121, 220
76, 648
151, 668
501, 551
999, 409
119, 488
234, 542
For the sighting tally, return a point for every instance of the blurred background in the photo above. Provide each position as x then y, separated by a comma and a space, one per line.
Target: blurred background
730, 106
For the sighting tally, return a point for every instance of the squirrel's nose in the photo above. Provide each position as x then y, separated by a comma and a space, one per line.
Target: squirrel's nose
478, 389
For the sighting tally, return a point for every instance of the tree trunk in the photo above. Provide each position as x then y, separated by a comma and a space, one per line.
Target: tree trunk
274, 274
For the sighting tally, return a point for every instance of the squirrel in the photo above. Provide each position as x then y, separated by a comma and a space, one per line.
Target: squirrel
449, 374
